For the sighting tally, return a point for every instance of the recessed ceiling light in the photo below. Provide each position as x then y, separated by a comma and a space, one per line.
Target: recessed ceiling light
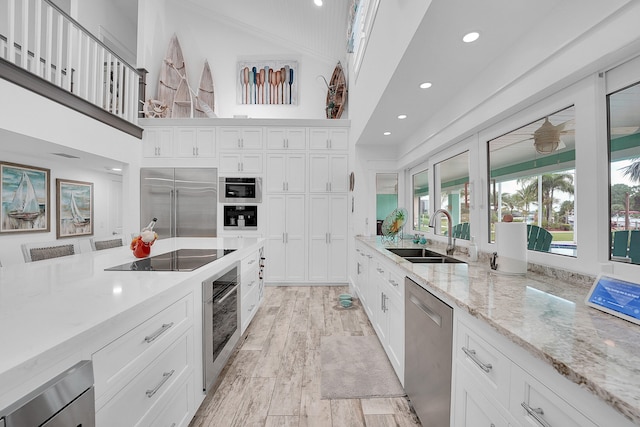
402, 116
471, 37
116, 169
425, 85
317, 2
387, 133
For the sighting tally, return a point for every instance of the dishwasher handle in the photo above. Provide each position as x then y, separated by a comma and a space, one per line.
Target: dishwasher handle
437, 319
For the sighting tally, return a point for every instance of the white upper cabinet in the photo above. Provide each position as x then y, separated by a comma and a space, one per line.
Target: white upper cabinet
328, 173
328, 139
244, 138
249, 163
157, 142
195, 142
286, 138
286, 173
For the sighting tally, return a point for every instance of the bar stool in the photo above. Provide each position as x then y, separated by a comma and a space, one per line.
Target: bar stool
100, 243
45, 250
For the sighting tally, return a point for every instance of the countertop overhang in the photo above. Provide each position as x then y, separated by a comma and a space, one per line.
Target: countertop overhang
545, 316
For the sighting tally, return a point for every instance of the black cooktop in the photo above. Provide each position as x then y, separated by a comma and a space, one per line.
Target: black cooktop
180, 260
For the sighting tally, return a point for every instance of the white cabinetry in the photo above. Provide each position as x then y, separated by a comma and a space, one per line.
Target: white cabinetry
286, 173
328, 173
328, 139
286, 138
362, 274
195, 142
328, 238
245, 138
157, 142
140, 372
243, 162
286, 240
250, 289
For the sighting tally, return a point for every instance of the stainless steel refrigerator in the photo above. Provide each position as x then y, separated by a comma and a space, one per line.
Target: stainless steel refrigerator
184, 200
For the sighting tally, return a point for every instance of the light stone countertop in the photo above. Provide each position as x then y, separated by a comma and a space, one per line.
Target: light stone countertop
547, 317
46, 305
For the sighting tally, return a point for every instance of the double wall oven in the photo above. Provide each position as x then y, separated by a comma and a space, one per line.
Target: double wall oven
221, 320
240, 198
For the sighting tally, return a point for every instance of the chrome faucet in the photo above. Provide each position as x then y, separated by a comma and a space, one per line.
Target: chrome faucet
451, 244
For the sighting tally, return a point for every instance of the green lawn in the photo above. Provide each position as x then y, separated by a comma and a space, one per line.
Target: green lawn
562, 236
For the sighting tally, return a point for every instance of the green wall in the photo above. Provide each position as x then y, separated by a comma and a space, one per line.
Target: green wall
385, 204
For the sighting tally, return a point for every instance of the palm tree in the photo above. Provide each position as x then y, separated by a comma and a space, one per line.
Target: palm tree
552, 182
526, 194
633, 171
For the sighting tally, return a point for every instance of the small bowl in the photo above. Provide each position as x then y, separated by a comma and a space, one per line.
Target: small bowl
346, 303
343, 297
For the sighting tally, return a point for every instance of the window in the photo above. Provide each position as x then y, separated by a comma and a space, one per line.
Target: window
531, 179
624, 167
421, 201
455, 195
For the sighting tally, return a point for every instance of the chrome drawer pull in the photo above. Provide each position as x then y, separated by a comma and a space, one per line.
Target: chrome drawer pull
156, 334
252, 261
536, 413
472, 355
174, 425
165, 378
393, 282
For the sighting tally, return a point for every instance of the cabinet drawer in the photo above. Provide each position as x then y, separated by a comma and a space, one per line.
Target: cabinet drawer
177, 410
249, 281
118, 362
487, 365
249, 262
542, 404
472, 408
396, 283
149, 392
249, 306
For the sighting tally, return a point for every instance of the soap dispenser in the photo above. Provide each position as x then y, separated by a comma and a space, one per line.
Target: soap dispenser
473, 250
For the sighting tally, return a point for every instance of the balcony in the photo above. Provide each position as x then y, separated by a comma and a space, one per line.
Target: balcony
46, 51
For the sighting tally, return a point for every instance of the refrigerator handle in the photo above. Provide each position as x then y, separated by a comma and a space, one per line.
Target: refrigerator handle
175, 216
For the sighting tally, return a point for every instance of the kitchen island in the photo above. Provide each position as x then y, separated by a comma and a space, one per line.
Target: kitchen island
535, 330
56, 312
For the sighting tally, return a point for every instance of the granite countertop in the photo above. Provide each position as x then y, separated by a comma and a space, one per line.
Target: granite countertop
45, 304
546, 316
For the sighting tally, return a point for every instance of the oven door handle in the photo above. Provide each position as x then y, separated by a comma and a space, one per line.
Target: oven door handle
221, 300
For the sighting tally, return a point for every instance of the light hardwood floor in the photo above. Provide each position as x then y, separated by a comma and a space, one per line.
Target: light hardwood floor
273, 379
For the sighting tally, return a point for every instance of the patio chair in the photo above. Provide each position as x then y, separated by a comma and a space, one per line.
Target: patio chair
538, 239
626, 246
39, 251
100, 243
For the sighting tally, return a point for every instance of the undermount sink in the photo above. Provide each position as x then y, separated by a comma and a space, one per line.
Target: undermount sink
423, 256
413, 252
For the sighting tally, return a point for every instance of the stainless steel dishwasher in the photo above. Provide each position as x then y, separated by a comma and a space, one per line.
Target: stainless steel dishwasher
428, 352
66, 400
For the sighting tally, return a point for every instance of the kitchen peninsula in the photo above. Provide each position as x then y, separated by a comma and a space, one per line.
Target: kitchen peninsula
56, 312
538, 341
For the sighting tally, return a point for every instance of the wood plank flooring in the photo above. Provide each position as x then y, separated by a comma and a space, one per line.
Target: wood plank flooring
273, 378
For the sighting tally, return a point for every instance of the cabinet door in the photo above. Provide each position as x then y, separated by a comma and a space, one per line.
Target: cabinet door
296, 173
318, 173
251, 163
185, 142
230, 163
296, 237
275, 251
472, 408
157, 142
276, 173
229, 138
276, 138
395, 333
297, 139
206, 142
319, 217
338, 139
338, 230
251, 138
319, 139
338, 166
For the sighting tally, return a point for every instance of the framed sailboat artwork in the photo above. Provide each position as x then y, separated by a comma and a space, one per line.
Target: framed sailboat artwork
24, 191
75, 208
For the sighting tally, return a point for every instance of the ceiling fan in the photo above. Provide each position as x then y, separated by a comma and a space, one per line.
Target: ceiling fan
546, 139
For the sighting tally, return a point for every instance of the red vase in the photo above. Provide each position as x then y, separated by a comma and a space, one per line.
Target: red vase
141, 249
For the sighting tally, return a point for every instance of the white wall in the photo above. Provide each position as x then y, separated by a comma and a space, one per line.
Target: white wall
202, 36
43, 127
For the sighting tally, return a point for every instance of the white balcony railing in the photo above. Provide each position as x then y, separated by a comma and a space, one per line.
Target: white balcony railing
39, 37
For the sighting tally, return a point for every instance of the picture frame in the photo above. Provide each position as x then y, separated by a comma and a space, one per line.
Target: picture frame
267, 82
74, 201
24, 192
